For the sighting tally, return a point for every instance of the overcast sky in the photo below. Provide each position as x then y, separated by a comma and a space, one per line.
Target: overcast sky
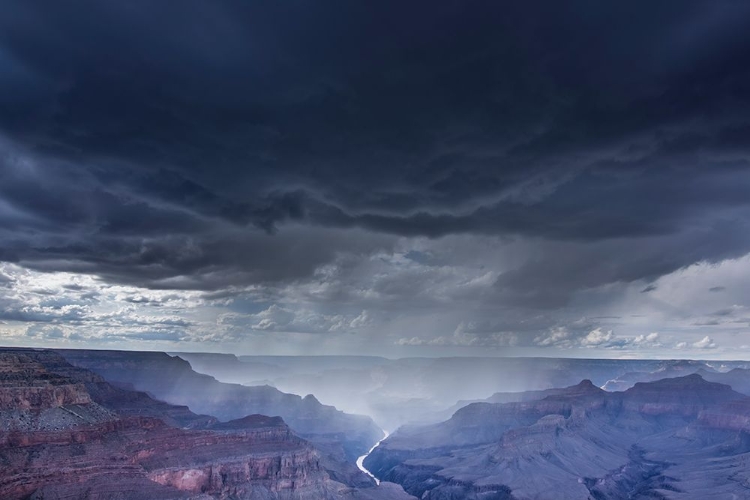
397, 178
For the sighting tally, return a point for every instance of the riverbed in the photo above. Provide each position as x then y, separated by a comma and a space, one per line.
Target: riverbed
361, 460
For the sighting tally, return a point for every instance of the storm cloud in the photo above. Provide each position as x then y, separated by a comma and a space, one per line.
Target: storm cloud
516, 165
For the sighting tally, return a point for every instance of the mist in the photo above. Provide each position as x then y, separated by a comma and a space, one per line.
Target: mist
425, 390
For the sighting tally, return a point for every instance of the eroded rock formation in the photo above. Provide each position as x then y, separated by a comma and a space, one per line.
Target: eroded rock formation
59, 440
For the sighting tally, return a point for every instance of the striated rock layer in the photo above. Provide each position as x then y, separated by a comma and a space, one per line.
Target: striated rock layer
674, 438
59, 441
172, 379
144, 458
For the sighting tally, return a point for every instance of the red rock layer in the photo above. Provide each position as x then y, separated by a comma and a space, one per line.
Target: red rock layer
71, 447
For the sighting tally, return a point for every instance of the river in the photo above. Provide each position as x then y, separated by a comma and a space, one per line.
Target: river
361, 460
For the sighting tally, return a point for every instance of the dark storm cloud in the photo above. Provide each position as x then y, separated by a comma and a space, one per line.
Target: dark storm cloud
221, 143
214, 260
557, 269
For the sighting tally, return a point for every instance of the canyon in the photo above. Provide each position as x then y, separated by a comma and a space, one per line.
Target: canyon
62, 437
172, 379
670, 438
137, 425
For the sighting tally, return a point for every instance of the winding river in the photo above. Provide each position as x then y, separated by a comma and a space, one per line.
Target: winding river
361, 460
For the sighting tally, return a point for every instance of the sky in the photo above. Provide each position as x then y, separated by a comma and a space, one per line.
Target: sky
418, 178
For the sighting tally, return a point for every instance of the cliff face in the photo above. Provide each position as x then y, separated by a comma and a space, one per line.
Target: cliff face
296, 472
578, 442
173, 380
121, 456
44, 397
27, 385
144, 458
733, 416
682, 396
32, 398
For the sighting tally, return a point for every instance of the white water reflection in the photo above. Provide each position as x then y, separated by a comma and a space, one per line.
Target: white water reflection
361, 460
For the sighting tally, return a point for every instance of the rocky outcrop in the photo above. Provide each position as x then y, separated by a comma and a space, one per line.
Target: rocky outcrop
515, 397
485, 422
122, 456
666, 369
33, 398
682, 396
43, 397
294, 471
172, 379
733, 416
143, 450
27, 385
578, 442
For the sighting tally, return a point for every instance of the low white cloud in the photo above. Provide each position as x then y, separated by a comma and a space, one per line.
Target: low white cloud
705, 343
558, 336
68, 307
650, 340
596, 338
